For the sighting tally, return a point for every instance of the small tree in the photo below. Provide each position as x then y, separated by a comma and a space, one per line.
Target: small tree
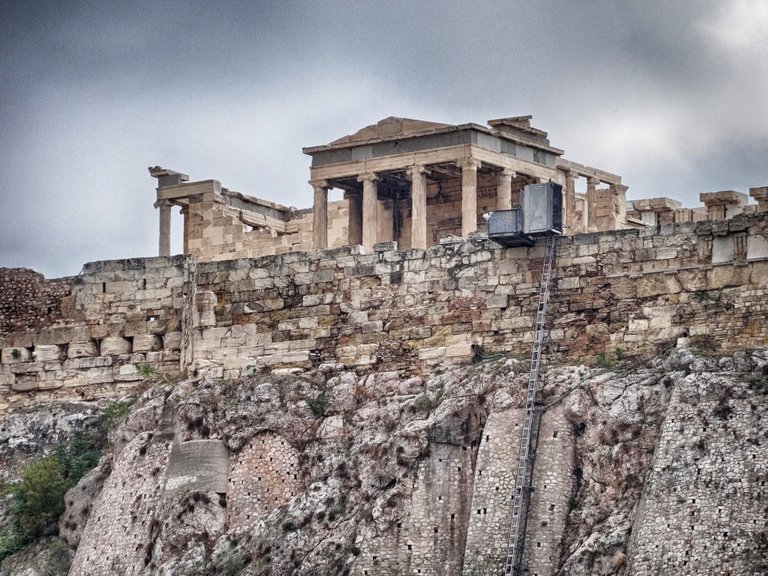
40, 497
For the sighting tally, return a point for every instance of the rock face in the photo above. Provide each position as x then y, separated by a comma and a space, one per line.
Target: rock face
648, 468
33, 432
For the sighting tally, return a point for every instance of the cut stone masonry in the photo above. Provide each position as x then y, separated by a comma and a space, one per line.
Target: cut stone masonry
409, 310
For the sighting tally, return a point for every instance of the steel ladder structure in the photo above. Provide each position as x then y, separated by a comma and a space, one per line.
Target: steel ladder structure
516, 541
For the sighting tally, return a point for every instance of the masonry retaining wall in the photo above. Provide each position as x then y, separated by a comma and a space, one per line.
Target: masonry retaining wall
638, 290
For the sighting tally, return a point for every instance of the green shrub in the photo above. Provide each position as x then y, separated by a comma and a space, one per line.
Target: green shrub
424, 403
319, 404
38, 497
80, 454
9, 541
604, 360
147, 371
15, 353
114, 414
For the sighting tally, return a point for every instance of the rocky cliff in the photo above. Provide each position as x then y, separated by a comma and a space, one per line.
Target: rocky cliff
652, 466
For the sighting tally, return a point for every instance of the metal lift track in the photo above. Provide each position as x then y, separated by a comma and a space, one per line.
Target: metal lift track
520, 502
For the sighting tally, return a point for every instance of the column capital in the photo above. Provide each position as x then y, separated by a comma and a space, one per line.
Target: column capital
367, 177
468, 163
592, 181
571, 174
163, 204
506, 173
416, 170
319, 184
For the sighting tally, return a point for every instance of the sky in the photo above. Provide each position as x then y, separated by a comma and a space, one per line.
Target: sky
672, 96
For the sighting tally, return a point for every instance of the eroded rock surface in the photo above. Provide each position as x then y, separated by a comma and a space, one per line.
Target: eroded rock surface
331, 472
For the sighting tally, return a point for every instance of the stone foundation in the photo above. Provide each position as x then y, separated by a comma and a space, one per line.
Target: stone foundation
633, 290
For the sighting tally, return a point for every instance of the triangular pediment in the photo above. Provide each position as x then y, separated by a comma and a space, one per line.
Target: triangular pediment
390, 128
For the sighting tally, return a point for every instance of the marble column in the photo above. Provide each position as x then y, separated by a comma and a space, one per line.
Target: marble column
370, 210
592, 204
320, 215
504, 190
355, 227
165, 226
570, 201
418, 175
469, 168
185, 216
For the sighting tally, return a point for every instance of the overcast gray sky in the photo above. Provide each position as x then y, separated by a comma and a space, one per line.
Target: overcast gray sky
672, 95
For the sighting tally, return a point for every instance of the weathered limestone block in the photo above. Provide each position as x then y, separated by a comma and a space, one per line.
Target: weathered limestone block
15, 355
100, 375
46, 352
722, 249
115, 326
115, 345
97, 332
153, 357
198, 465
205, 303
82, 349
50, 382
127, 373
172, 341
25, 384
80, 363
147, 343
74, 380
727, 276
431, 353
757, 247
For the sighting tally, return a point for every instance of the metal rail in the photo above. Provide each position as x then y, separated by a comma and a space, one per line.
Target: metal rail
516, 541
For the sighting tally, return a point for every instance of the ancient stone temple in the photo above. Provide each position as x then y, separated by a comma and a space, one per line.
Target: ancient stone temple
413, 182
407, 181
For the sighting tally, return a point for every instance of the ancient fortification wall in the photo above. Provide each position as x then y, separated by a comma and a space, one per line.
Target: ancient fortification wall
638, 290
705, 496
104, 323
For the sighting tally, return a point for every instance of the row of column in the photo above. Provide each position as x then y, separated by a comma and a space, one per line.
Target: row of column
590, 218
363, 221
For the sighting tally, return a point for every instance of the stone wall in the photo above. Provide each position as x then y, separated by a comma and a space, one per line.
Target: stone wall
104, 324
704, 501
634, 290
263, 476
429, 536
494, 481
126, 518
28, 301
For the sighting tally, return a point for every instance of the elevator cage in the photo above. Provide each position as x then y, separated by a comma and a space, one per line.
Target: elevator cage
540, 214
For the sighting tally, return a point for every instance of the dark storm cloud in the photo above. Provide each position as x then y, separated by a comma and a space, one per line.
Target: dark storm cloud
672, 95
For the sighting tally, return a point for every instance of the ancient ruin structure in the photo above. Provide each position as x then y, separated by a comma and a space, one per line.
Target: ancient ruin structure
367, 300
413, 182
